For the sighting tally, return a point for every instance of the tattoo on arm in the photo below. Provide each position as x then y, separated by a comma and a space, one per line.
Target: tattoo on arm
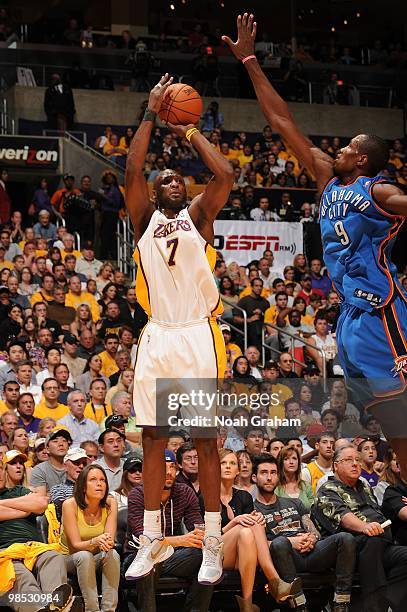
310, 527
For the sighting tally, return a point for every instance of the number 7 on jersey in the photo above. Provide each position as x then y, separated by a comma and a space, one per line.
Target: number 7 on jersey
173, 245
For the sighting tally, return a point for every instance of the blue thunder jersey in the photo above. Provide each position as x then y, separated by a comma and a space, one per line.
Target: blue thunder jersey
358, 236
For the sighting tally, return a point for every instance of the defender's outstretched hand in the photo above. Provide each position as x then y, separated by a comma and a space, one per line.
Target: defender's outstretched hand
158, 92
180, 130
246, 35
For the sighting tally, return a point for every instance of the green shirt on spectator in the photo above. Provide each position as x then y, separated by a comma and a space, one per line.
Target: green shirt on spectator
19, 530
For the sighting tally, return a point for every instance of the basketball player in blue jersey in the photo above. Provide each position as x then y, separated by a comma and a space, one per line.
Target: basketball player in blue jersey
360, 216
175, 286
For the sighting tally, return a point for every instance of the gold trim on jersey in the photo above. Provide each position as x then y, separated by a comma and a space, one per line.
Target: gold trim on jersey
142, 289
218, 347
210, 253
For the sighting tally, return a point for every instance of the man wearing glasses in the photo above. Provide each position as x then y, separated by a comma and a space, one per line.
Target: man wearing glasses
346, 504
187, 461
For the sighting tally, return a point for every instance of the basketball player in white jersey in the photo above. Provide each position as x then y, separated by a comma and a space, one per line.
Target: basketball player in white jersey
182, 339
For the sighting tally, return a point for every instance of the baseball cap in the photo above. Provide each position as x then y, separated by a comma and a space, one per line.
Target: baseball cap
39, 442
71, 339
68, 175
74, 453
102, 435
88, 244
114, 420
12, 454
3, 288
59, 431
133, 460
271, 365
306, 277
169, 456
224, 327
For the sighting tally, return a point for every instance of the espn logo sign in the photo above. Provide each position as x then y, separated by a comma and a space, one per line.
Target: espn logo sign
247, 242
243, 241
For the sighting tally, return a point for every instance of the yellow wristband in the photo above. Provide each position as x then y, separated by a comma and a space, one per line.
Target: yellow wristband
190, 132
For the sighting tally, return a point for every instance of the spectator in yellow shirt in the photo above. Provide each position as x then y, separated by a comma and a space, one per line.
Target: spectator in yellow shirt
75, 297
271, 314
108, 356
10, 394
97, 408
301, 305
245, 156
46, 293
248, 290
4, 263
125, 140
68, 242
282, 392
49, 405
228, 152
234, 349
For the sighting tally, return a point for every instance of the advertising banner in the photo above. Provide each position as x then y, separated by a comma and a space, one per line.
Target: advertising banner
243, 241
29, 152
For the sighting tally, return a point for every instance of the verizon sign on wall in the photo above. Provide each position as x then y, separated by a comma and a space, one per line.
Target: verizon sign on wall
243, 241
29, 152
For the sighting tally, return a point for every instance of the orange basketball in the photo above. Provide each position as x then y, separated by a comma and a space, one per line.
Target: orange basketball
181, 105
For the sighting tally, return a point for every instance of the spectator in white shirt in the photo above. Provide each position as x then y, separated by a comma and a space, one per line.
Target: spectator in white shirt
53, 358
80, 428
252, 355
87, 264
24, 371
323, 340
262, 213
275, 271
265, 274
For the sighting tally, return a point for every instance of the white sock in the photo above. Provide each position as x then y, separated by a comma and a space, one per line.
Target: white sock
152, 524
213, 524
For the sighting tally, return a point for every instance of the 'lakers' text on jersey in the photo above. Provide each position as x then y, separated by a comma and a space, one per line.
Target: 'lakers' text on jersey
182, 340
174, 277
358, 236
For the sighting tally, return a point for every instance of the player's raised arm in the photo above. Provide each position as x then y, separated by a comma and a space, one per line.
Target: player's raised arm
275, 109
205, 207
138, 203
391, 198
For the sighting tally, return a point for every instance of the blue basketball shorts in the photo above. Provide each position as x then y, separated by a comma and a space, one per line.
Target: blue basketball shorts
373, 346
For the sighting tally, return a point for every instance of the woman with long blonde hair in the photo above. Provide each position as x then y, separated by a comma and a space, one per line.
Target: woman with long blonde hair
19, 440
124, 383
83, 320
45, 427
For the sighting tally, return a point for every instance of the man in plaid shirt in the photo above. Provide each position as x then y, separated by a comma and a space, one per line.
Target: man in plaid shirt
179, 510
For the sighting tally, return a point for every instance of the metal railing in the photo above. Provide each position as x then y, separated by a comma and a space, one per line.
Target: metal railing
293, 340
92, 151
125, 248
77, 237
237, 329
7, 124
79, 134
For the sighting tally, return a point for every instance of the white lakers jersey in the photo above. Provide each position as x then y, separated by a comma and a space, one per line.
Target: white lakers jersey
174, 277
